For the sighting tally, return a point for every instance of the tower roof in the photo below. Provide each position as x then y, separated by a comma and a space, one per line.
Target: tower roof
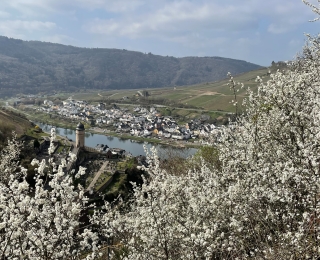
80, 127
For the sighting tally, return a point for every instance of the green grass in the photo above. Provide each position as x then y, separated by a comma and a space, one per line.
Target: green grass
202, 100
60, 148
175, 95
118, 181
37, 135
214, 95
104, 178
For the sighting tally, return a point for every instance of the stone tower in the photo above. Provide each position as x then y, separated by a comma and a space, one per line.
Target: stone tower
80, 135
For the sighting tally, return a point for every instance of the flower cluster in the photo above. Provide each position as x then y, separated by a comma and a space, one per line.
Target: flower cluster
45, 221
262, 202
260, 199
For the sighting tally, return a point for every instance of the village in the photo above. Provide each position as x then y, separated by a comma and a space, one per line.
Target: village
139, 122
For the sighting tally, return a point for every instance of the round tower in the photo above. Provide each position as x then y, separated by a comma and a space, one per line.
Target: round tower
80, 135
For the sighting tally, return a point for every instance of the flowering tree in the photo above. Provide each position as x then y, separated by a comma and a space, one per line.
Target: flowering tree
314, 8
9, 163
263, 201
43, 222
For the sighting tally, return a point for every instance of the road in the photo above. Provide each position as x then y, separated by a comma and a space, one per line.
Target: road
107, 96
188, 109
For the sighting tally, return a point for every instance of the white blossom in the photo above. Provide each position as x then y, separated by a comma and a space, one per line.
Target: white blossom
43, 222
262, 203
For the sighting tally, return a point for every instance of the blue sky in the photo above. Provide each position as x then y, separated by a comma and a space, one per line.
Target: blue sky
257, 31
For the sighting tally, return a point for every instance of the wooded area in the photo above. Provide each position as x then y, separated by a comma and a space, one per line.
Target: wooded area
33, 67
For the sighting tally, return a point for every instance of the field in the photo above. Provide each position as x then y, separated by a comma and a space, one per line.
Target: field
213, 96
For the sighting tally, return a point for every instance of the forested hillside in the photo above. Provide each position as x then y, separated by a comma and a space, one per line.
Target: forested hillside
31, 67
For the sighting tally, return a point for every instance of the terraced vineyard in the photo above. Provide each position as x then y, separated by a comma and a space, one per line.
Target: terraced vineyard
210, 96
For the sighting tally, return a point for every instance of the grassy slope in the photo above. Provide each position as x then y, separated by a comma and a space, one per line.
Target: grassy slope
10, 122
209, 96
215, 95
13, 122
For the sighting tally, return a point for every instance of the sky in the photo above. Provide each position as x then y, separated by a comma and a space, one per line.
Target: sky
257, 31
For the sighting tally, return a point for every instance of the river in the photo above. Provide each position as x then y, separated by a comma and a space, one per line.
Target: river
135, 148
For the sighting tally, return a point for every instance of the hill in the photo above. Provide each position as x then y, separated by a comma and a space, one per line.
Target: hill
33, 66
11, 121
209, 96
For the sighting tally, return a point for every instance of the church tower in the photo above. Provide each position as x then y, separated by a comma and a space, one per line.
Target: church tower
80, 135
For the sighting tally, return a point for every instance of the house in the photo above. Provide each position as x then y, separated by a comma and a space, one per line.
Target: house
177, 136
146, 132
101, 106
48, 103
152, 109
111, 155
116, 153
186, 136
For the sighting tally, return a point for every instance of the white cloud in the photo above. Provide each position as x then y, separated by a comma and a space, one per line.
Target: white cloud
38, 8
27, 8
26, 25
186, 16
176, 18
231, 28
140, 18
278, 29
185, 27
116, 6
4, 14
295, 43
287, 16
18, 28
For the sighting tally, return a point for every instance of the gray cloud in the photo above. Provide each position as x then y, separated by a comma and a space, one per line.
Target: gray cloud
231, 28
140, 18
116, 6
36, 7
181, 17
175, 18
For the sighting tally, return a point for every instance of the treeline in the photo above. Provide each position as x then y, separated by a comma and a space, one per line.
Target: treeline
33, 67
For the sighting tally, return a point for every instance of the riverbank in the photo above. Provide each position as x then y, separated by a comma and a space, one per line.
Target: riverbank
135, 147
62, 123
168, 142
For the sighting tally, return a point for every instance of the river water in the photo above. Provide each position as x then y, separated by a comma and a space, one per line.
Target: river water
135, 148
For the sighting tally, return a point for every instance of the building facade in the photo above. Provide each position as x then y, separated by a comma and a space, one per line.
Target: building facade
80, 131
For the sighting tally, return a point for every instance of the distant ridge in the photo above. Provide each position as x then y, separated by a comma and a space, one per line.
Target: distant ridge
33, 66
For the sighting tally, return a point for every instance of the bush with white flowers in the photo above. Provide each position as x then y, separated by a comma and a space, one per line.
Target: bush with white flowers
264, 200
43, 222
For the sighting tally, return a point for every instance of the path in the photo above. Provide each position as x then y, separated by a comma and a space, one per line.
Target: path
182, 108
97, 175
107, 96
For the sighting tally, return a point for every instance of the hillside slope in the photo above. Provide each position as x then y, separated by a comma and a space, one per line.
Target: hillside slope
30, 67
9, 122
